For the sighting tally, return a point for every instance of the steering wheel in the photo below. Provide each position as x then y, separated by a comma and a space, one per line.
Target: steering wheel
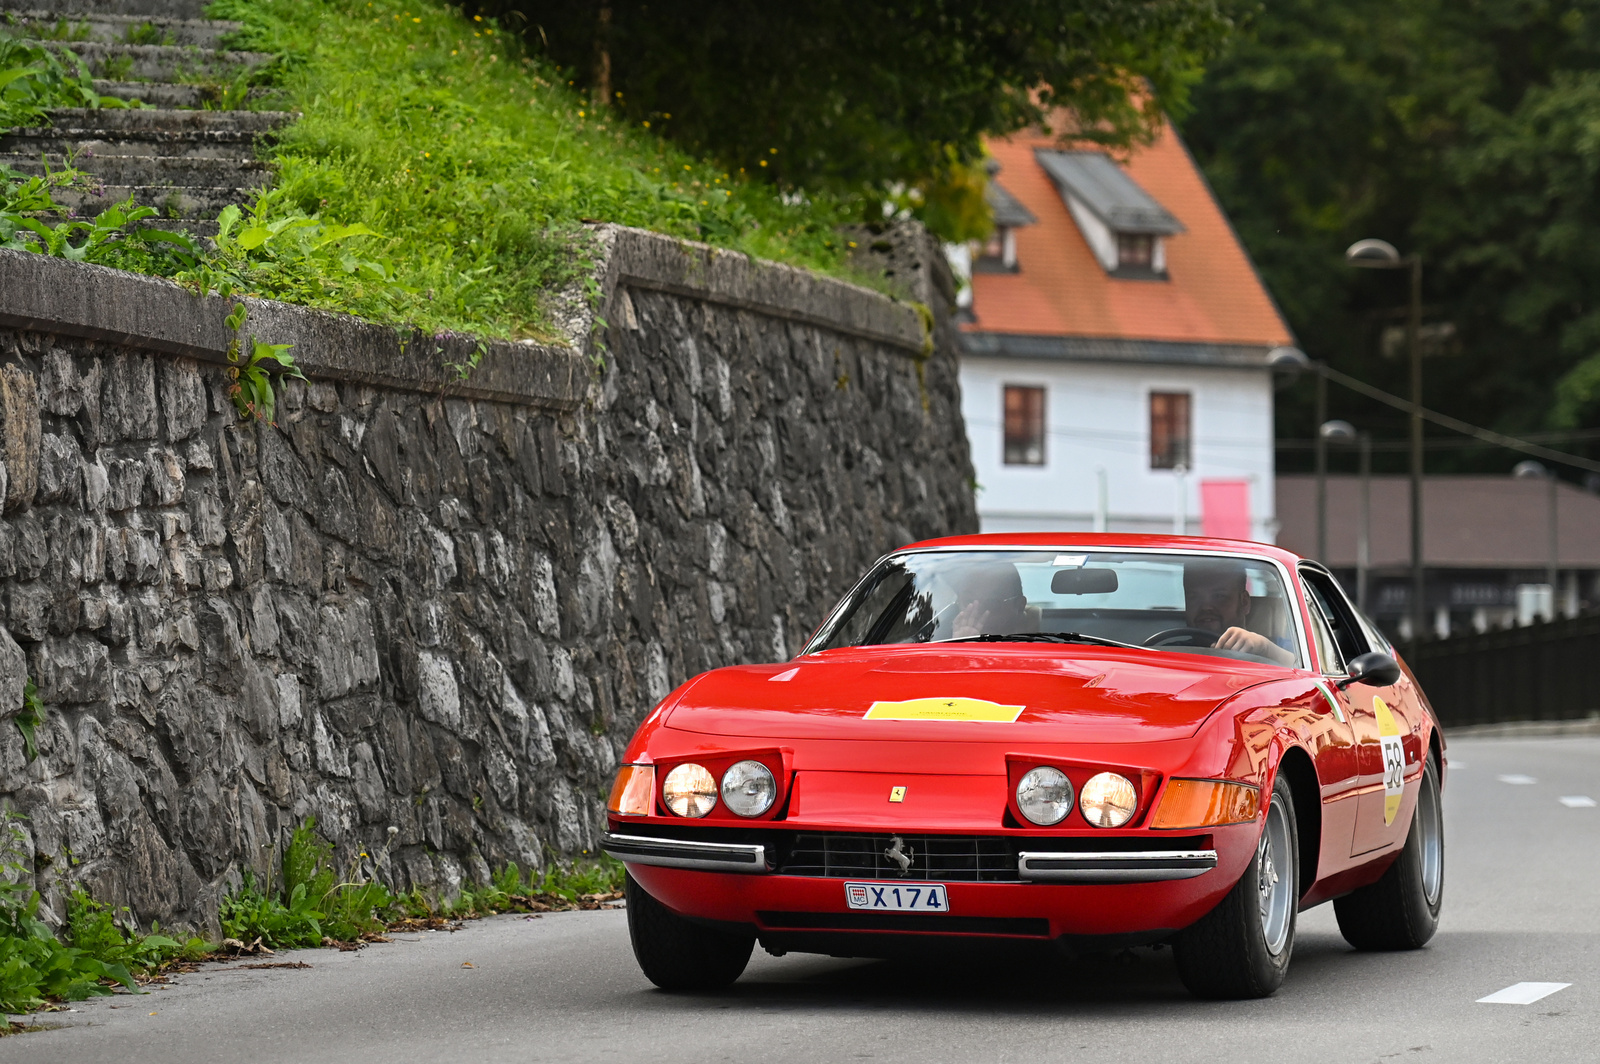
1190, 637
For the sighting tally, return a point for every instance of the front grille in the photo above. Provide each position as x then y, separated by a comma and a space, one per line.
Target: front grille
945, 858
932, 925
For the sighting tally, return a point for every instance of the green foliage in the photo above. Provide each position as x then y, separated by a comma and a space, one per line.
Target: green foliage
110, 935
29, 719
251, 391
116, 236
255, 915
1465, 132
860, 98
34, 965
34, 79
469, 166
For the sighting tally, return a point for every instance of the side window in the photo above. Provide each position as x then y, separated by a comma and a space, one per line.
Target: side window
1322, 635
1344, 626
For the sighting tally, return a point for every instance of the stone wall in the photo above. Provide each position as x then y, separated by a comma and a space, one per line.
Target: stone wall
416, 602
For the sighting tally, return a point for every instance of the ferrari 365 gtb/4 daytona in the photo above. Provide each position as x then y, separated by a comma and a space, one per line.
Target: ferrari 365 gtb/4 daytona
1095, 740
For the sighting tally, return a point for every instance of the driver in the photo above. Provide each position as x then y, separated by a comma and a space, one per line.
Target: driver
1216, 598
990, 601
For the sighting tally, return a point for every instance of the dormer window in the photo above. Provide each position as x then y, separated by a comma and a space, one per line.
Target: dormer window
999, 252
1122, 223
1135, 251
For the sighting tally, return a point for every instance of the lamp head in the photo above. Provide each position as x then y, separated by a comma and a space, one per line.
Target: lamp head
1528, 469
1372, 255
1337, 431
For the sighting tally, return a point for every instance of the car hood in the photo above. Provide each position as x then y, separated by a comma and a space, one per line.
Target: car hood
968, 693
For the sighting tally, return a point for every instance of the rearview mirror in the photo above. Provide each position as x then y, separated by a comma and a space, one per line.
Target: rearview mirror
1083, 581
1374, 669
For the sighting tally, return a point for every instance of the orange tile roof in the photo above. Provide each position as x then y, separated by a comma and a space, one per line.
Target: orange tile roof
1213, 294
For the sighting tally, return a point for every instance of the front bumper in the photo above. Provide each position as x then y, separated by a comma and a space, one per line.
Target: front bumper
1126, 866
1133, 887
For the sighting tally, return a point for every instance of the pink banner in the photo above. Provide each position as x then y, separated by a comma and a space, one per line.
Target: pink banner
1225, 509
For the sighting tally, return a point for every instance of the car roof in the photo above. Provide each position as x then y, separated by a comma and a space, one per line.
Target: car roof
1048, 540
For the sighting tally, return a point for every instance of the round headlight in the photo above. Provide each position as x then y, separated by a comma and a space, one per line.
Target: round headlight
690, 790
1108, 800
748, 788
1045, 795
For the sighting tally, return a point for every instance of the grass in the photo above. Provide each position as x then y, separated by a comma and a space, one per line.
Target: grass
476, 163
101, 949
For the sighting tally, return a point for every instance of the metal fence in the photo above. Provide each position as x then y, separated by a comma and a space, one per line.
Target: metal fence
1548, 671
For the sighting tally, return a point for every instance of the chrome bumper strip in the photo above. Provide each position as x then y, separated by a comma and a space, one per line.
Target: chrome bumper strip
676, 853
1143, 866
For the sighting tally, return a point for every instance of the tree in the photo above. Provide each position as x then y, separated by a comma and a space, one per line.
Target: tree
857, 98
1466, 130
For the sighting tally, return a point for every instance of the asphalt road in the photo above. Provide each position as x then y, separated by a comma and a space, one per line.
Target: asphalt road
1523, 875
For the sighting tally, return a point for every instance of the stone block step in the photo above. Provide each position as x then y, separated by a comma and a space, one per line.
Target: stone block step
172, 201
89, 144
121, 29
109, 120
157, 62
181, 9
152, 169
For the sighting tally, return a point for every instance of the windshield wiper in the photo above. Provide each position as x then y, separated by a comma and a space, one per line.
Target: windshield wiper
1043, 637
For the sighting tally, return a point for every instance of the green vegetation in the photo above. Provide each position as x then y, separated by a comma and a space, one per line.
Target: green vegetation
471, 166
34, 79
31, 219
313, 904
864, 99
100, 948
34, 964
1465, 132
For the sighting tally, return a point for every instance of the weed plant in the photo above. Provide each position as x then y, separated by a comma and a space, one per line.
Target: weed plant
473, 165
34, 79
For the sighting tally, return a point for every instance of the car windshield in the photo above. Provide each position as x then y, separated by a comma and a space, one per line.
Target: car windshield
1194, 603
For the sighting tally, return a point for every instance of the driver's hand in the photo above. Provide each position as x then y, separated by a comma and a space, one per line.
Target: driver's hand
971, 620
1253, 643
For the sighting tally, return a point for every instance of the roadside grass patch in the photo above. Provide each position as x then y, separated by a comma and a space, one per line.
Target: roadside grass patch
473, 164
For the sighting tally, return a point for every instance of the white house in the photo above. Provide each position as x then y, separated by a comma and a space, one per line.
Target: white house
1115, 368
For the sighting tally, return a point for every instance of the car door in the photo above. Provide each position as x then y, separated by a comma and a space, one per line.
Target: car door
1380, 718
1333, 741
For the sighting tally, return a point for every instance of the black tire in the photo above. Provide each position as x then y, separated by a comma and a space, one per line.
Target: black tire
1227, 954
1401, 910
678, 954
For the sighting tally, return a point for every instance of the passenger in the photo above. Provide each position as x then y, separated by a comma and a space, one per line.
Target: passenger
1216, 598
989, 601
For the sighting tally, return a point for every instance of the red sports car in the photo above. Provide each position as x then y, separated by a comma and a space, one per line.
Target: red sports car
1091, 740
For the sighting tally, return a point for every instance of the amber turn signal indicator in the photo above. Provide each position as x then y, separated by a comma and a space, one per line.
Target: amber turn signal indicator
1206, 803
634, 792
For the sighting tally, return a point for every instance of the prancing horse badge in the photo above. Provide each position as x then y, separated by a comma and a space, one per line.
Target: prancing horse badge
897, 794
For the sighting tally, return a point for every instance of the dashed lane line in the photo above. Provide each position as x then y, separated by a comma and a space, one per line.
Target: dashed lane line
1522, 993
1577, 801
1517, 779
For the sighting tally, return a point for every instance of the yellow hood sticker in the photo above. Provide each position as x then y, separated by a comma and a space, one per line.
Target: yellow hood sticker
944, 709
1394, 759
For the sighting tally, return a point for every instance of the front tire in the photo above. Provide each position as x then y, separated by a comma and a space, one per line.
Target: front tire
1401, 910
1241, 948
678, 954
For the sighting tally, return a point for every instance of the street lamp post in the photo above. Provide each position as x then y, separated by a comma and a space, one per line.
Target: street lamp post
1343, 432
1320, 446
1381, 255
1529, 470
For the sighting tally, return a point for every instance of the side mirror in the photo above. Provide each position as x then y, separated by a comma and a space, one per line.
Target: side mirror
1374, 669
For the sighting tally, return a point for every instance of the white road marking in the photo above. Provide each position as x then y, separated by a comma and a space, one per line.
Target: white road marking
1516, 779
1577, 801
1522, 993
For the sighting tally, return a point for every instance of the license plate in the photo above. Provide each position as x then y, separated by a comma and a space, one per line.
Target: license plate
898, 897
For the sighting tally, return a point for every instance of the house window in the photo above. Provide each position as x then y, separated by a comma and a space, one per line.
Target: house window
1169, 430
999, 252
1136, 251
1024, 418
